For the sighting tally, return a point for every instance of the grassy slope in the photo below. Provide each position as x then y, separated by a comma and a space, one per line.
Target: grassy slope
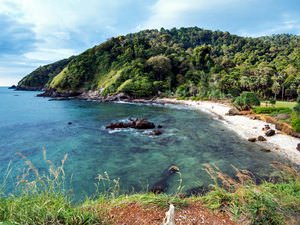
245, 202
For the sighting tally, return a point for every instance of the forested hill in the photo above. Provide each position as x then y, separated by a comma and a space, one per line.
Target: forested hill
182, 62
39, 78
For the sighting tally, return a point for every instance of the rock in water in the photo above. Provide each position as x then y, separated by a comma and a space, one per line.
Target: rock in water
143, 124
135, 124
173, 169
270, 133
252, 139
162, 185
155, 132
298, 147
261, 138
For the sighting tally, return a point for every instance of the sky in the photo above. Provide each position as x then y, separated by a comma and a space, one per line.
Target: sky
38, 32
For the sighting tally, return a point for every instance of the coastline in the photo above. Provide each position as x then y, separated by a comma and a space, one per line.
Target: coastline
283, 144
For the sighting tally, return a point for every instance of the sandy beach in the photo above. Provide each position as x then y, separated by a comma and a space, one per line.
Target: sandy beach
245, 127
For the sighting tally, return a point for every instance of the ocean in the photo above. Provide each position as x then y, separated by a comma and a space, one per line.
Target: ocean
191, 139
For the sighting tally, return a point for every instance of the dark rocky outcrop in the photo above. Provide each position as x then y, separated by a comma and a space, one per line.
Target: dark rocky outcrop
270, 133
266, 128
135, 124
261, 138
12, 87
298, 147
27, 88
162, 184
55, 94
118, 97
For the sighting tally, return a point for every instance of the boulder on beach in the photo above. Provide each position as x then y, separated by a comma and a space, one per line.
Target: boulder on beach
265, 150
233, 112
270, 133
261, 138
252, 139
266, 127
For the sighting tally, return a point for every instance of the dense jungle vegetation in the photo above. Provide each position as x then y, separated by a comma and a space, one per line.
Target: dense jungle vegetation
183, 62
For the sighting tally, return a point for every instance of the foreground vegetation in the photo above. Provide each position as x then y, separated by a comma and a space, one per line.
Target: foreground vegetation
41, 199
183, 62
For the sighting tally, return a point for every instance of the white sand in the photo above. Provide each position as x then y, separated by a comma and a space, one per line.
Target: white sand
245, 127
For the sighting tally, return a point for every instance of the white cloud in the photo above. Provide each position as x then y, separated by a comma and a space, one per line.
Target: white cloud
176, 13
287, 24
63, 26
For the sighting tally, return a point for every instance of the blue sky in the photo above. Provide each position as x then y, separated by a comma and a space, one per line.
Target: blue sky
38, 32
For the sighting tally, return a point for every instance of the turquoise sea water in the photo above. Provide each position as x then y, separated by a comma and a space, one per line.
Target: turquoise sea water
190, 139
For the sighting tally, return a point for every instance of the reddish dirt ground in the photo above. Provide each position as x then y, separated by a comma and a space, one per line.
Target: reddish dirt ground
194, 214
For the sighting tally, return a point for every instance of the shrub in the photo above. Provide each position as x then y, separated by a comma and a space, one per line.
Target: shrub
297, 106
246, 101
296, 124
272, 110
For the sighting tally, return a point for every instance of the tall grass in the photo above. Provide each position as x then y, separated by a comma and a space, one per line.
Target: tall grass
40, 198
268, 203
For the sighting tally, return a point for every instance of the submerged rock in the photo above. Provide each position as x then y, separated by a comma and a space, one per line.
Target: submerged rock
155, 132
270, 133
162, 184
